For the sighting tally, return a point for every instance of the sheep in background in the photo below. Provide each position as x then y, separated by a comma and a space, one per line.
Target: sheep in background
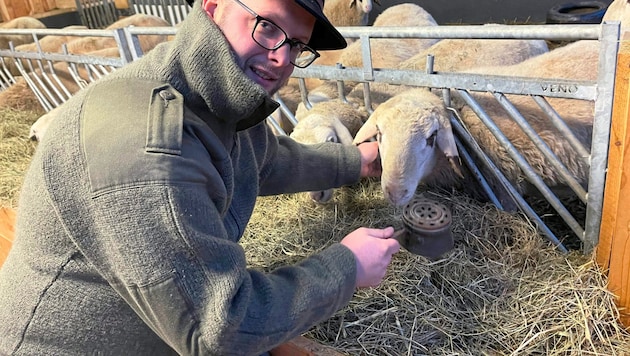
329, 121
19, 23
452, 55
340, 13
456, 55
618, 10
38, 129
147, 42
410, 128
386, 52
575, 61
578, 115
49, 44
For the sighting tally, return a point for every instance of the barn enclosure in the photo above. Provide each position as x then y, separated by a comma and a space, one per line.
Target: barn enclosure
597, 226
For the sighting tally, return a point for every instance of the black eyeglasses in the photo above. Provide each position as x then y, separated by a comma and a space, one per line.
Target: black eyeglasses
270, 36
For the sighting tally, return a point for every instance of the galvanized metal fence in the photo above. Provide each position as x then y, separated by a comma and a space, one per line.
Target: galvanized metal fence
97, 13
40, 73
173, 11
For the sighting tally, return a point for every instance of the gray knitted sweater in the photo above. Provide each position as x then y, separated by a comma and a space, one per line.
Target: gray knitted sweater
133, 206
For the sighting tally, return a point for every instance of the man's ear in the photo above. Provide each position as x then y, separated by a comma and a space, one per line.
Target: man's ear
209, 6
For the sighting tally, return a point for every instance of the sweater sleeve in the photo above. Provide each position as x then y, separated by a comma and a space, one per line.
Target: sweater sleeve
295, 167
173, 263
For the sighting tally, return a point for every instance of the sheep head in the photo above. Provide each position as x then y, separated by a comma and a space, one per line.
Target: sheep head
318, 128
411, 128
363, 5
329, 121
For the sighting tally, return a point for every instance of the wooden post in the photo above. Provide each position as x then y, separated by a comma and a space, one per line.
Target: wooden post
10, 9
613, 250
7, 228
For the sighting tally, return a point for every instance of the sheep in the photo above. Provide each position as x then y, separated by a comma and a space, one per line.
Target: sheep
452, 55
387, 52
49, 44
329, 121
456, 55
147, 42
410, 127
576, 61
342, 13
19, 23
578, 115
38, 129
618, 10
408, 158
339, 13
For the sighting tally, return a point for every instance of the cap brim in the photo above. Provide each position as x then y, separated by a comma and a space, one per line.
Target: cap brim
325, 36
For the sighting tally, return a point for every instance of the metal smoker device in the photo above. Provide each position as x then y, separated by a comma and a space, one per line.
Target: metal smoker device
427, 228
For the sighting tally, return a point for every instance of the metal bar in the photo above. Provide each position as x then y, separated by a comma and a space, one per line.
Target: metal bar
549, 32
565, 130
559, 88
542, 146
470, 163
366, 56
610, 34
523, 164
491, 167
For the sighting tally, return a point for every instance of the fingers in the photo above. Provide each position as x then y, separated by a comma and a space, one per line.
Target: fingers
373, 250
381, 233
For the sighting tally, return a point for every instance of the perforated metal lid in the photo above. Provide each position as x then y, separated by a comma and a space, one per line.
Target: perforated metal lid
428, 224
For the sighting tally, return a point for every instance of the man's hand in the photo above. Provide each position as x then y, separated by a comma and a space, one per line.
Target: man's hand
370, 160
373, 250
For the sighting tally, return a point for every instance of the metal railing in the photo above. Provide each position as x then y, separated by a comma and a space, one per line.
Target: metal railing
599, 91
97, 13
173, 11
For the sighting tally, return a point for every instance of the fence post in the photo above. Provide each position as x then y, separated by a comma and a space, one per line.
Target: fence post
613, 250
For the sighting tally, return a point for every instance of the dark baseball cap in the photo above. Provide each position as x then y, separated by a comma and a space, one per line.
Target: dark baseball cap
325, 36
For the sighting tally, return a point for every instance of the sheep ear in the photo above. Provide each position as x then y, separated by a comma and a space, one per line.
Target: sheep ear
446, 143
367, 131
345, 138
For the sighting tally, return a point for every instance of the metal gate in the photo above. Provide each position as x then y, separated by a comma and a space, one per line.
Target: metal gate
173, 11
97, 13
41, 72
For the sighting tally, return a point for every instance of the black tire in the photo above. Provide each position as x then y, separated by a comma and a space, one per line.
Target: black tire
589, 12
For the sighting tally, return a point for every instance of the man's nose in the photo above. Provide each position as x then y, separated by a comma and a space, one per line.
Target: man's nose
282, 55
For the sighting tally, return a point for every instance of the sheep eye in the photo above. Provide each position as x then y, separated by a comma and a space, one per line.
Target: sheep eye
431, 139
332, 138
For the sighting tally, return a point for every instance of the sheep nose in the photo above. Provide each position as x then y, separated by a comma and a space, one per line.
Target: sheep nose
395, 195
322, 196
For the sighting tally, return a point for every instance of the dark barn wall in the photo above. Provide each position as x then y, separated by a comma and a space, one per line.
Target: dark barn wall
482, 11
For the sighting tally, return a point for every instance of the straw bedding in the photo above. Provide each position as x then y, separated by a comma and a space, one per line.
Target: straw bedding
503, 289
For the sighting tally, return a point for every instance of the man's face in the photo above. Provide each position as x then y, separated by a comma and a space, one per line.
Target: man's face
268, 68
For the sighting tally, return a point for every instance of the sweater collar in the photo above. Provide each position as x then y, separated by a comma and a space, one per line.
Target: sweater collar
200, 64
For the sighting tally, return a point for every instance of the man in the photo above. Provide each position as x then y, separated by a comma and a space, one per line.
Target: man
130, 214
